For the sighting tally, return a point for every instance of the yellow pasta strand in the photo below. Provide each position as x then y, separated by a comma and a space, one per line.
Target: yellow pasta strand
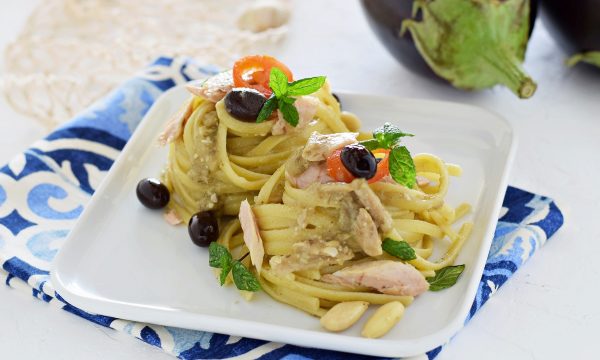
219, 161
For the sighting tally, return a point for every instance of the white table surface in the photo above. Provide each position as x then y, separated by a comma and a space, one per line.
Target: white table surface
548, 310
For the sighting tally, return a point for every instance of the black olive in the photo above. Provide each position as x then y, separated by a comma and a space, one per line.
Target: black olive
203, 228
152, 193
359, 161
244, 103
337, 98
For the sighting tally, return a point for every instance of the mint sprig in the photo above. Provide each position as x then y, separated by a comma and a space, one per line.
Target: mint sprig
371, 144
219, 257
400, 249
283, 93
267, 109
389, 135
278, 82
401, 165
243, 278
305, 86
445, 277
290, 113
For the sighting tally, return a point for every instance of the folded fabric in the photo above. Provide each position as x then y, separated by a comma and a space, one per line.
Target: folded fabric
44, 190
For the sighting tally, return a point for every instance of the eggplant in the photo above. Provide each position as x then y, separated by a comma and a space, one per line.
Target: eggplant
473, 44
576, 28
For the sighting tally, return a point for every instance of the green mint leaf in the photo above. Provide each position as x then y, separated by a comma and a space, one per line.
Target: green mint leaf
290, 113
389, 135
402, 167
445, 277
371, 144
219, 257
399, 249
225, 269
278, 82
267, 109
287, 99
243, 278
305, 86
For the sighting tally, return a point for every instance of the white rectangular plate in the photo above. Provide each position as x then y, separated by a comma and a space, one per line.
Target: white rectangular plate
124, 260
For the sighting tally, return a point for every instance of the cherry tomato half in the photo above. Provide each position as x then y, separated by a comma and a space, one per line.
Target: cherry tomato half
338, 172
383, 167
254, 72
336, 169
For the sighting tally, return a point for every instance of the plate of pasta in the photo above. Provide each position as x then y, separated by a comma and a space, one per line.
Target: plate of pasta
261, 204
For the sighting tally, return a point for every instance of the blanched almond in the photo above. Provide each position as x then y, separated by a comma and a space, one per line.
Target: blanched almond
343, 315
383, 320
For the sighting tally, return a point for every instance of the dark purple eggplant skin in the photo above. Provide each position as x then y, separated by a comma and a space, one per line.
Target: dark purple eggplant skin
575, 25
385, 18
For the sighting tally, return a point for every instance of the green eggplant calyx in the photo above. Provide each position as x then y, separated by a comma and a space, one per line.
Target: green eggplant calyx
474, 44
590, 57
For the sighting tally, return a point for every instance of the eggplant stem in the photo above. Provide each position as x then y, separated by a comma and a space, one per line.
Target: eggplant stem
508, 71
590, 57
573, 60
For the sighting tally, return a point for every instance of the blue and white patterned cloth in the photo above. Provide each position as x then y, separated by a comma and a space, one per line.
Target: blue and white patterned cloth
44, 190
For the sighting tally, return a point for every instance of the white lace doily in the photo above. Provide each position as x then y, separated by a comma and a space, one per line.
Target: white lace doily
71, 52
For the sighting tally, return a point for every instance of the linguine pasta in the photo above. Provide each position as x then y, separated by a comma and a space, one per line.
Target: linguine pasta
220, 161
315, 240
